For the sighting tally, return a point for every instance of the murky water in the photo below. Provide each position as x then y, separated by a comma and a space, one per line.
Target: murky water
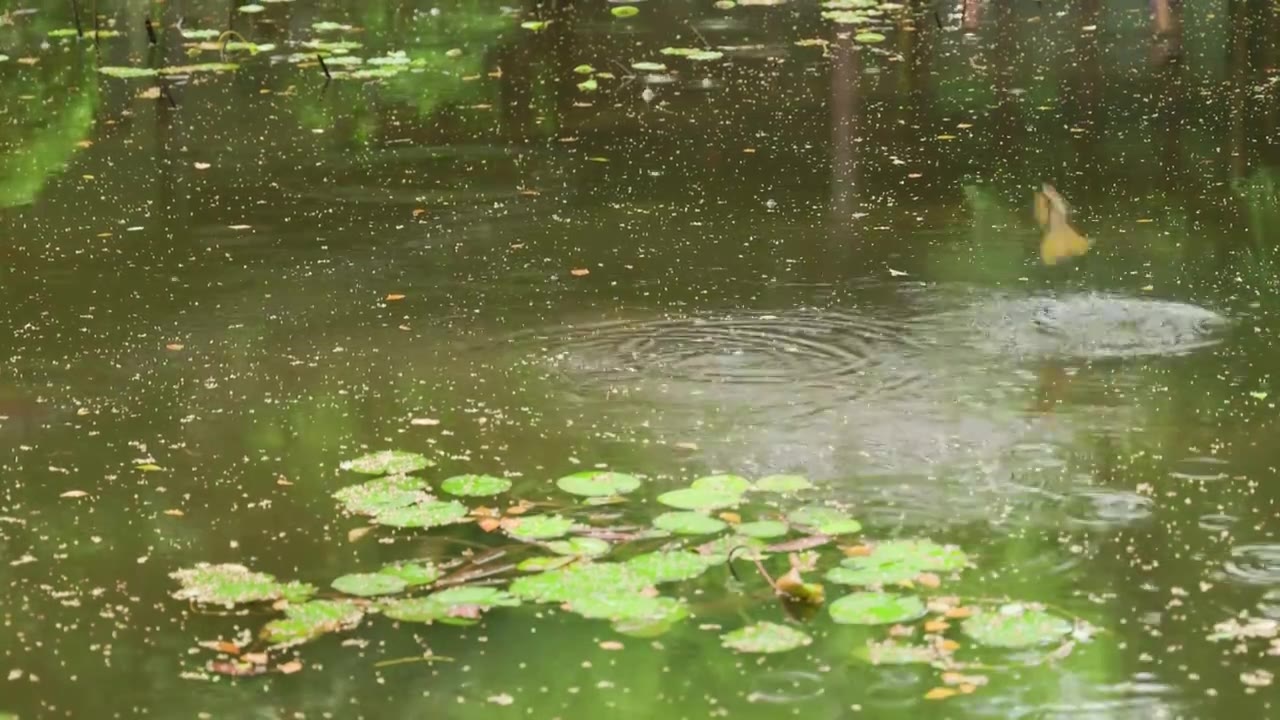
811, 255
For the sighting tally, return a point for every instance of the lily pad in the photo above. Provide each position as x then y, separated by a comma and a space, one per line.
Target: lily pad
824, 520
580, 547
763, 529
625, 11
369, 584
692, 53
432, 513
688, 523
898, 561
101, 34
584, 69
892, 653
589, 85
765, 637
413, 574
475, 485
846, 17
1015, 626
200, 34
229, 585
699, 499
329, 26
251, 8
386, 493
460, 605
387, 462
540, 527
312, 619
595, 483
125, 72
626, 606
535, 25
783, 484
876, 608
669, 566
652, 627
332, 46
578, 580
726, 483
648, 67
869, 38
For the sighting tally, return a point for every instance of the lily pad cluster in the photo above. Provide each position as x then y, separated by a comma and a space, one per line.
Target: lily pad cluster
230, 584
871, 13
898, 561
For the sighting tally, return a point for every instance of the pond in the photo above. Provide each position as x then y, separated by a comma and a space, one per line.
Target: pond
685, 359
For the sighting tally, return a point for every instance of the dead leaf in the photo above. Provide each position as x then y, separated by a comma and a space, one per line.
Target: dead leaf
222, 646
949, 646
901, 631
936, 626
520, 508
284, 481
611, 645
174, 346
484, 512
236, 669
424, 421
470, 612
174, 512
394, 296
74, 494
929, 580
202, 165
419, 212
856, 550
731, 517
355, 534
489, 524
255, 658
290, 667
151, 93
579, 272
939, 693
967, 688
958, 613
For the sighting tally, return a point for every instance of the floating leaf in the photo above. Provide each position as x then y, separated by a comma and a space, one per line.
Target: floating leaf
251, 8
332, 46
824, 520
743, 548
310, 620
580, 546
475, 485
595, 483
539, 527
578, 580
652, 626
329, 26
688, 523
432, 513
891, 653
460, 605
198, 34
648, 67
369, 584
898, 561
535, 25
386, 493
765, 637
4, 58
127, 72
610, 605
724, 4
869, 38
625, 11
726, 483
783, 484
72, 32
692, 53
584, 69
699, 499
1015, 626
590, 85
387, 462
231, 584
762, 529
413, 574
876, 608
669, 566
846, 17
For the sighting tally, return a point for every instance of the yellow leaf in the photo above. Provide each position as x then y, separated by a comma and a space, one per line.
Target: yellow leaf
939, 693
356, 533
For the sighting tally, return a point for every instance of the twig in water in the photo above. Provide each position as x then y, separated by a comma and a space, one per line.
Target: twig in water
937, 19
151, 32
95, 23
75, 9
760, 567
325, 68
705, 44
164, 90
412, 658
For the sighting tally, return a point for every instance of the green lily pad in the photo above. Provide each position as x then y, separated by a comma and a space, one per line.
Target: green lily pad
475, 485
724, 4
584, 69
699, 499
892, 653
210, 67
432, 513
824, 520
648, 67
542, 564
625, 11
125, 72
765, 637
413, 574
200, 34
898, 561
869, 38
459, 605
846, 17
876, 608
229, 585
688, 523
578, 580
727, 483
369, 584
692, 53
783, 484
669, 566
332, 46
535, 25
101, 34
1016, 626
625, 606
589, 85
540, 527
385, 493
387, 462
596, 483
312, 619
251, 8
763, 529
4, 58
580, 547
329, 26
651, 627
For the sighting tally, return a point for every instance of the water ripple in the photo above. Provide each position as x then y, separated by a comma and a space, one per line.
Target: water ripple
1255, 564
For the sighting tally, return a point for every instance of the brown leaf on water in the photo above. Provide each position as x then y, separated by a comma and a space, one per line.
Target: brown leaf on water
856, 550
967, 688
929, 580
611, 645
489, 524
290, 667
731, 517
939, 693
419, 212
174, 346
174, 512
151, 93
256, 658
484, 512
394, 297
236, 669
74, 494
520, 508
579, 272
803, 543
949, 646
936, 626
355, 534
470, 612
958, 613
222, 646
901, 631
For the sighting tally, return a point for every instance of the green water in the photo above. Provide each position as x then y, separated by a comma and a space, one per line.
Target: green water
803, 258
